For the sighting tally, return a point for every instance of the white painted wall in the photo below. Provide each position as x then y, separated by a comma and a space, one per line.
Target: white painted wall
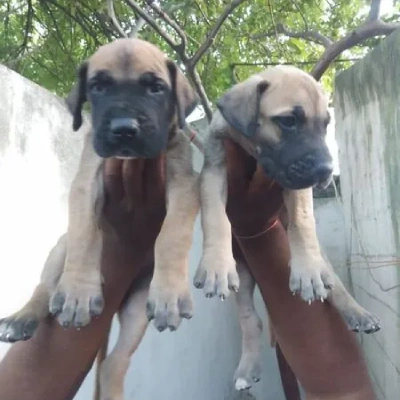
367, 104
38, 158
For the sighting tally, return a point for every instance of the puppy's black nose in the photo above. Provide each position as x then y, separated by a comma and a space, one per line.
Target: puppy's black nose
124, 127
323, 172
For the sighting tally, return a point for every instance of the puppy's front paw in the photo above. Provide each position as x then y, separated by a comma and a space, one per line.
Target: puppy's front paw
18, 327
168, 303
76, 300
216, 275
310, 277
358, 319
248, 372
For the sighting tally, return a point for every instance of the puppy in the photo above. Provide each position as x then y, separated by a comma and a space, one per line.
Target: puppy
279, 117
139, 101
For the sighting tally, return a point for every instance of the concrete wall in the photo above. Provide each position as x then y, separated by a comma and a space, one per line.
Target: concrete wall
38, 158
367, 105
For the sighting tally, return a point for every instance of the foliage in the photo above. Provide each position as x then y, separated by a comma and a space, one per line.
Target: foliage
45, 40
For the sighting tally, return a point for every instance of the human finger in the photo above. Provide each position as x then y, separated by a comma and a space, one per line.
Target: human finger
236, 168
112, 175
154, 178
260, 183
133, 180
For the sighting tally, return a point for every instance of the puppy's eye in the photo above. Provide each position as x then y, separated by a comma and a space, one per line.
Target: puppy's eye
97, 87
156, 88
286, 122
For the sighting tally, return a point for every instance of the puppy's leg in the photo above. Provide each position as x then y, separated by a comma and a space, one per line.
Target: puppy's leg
357, 318
216, 273
78, 295
133, 324
22, 324
169, 296
249, 368
310, 275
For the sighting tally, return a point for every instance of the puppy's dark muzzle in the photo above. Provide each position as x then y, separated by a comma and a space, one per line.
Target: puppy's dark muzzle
123, 129
298, 164
125, 137
314, 169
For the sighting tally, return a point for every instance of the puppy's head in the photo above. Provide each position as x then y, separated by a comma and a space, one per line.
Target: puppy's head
283, 115
136, 95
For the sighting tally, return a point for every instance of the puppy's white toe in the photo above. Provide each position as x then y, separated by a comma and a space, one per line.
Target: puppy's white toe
242, 384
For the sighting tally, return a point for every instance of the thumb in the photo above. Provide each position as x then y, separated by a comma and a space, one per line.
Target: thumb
236, 167
155, 177
260, 183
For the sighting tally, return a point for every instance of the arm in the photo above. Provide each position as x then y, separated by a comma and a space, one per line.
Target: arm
322, 352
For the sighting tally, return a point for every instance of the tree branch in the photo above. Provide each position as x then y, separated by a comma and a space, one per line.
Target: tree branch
9, 12
301, 14
214, 31
198, 86
150, 21
309, 35
105, 23
166, 18
77, 19
180, 48
28, 27
140, 23
372, 27
374, 11
111, 13
367, 30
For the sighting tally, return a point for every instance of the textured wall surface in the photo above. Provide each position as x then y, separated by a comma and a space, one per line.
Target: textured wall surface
367, 105
39, 154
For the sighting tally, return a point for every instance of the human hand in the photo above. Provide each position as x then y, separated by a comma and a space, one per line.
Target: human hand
254, 204
254, 200
135, 200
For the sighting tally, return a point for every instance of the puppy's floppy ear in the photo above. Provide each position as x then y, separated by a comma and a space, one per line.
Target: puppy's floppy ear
185, 98
77, 97
240, 105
